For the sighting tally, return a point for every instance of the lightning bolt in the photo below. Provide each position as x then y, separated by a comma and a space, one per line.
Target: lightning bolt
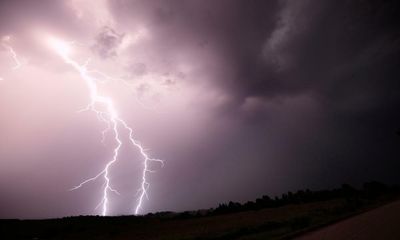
114, 123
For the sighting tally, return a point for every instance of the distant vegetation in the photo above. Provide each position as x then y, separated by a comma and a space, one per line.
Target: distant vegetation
370, 190
354, 197
265, 218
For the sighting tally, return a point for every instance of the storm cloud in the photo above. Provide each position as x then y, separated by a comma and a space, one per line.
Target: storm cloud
240, 98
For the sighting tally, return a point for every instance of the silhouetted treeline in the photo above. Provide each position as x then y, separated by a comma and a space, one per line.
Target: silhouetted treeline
347, 200
354, 198
369, 191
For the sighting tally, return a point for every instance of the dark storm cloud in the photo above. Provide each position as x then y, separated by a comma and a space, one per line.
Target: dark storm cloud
330, 65
288, 94
107, 42
278, 48
234, 30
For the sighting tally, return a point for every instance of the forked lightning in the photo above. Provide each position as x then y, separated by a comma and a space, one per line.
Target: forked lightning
114, 123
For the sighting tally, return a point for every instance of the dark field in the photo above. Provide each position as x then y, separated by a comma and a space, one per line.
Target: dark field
279, 218
380, 223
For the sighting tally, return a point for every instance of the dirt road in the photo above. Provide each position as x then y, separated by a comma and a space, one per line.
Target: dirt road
380, 223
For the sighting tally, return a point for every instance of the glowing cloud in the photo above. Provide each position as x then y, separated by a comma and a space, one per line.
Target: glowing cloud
4, 43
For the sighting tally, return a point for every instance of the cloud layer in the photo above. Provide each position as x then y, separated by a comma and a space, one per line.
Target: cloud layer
241, 99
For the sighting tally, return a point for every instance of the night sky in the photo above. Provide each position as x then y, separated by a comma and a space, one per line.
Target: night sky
240, 98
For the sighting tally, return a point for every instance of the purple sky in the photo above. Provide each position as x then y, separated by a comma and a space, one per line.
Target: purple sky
240, 98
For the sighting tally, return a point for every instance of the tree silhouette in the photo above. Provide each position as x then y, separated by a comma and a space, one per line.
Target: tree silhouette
353, 197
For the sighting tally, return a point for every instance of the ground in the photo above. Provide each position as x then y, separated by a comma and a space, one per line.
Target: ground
380, 223
286, 222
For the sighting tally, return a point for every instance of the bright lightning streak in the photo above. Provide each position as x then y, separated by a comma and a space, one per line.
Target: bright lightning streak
114, 123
